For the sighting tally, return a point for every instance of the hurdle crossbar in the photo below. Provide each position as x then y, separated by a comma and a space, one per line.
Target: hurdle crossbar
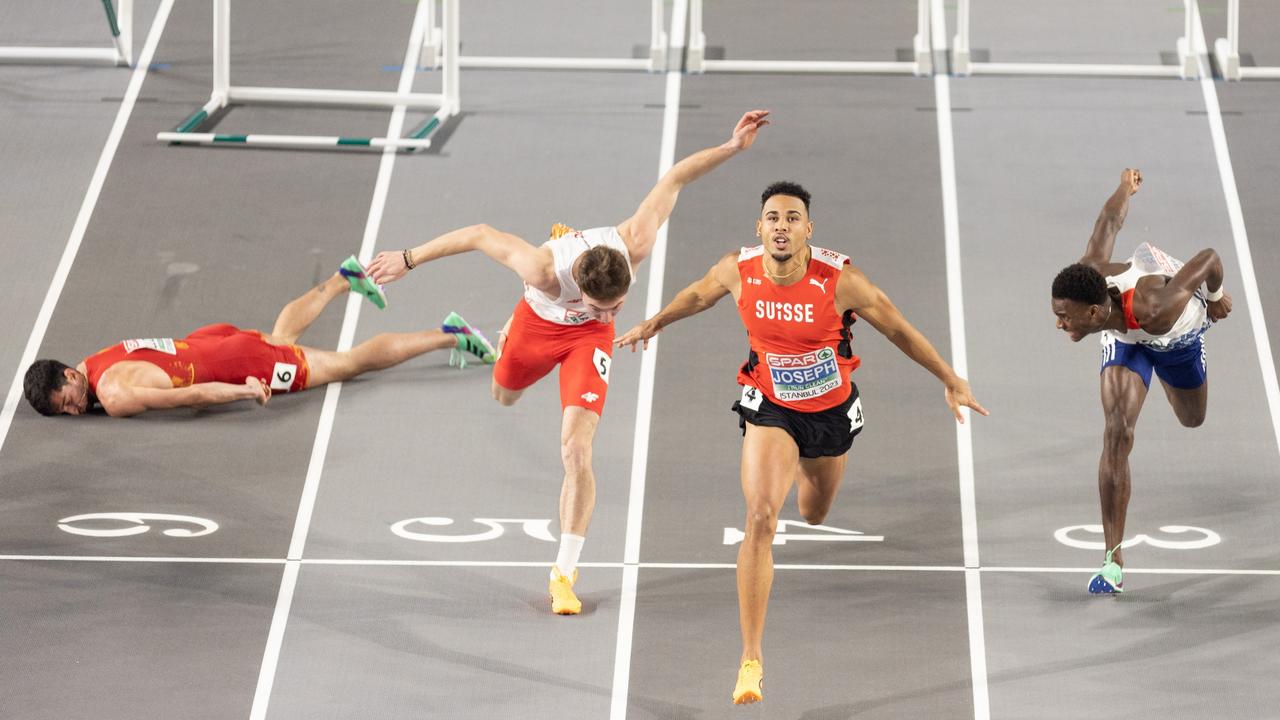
446, 102
121, 53
656, 62
963, 64
922, 49
1227, 51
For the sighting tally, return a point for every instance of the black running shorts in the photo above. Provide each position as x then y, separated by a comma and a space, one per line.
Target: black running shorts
826, 433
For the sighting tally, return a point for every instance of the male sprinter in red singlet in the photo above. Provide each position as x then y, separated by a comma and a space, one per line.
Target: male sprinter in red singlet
1152, 316
221, 363
799, 410
574, 286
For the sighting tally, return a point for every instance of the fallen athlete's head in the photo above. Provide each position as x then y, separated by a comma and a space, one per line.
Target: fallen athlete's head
1080, 301
784, 226
54, 388
604, 276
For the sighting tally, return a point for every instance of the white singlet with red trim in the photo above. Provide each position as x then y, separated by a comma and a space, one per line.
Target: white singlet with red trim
568, 308
1150, 260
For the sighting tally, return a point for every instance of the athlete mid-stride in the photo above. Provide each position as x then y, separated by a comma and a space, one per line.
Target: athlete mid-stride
574, 285
799, 409
221, 363
1152, 313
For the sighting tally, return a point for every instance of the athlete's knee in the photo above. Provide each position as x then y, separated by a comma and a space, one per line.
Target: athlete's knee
815, 514
762, 520
575, 452
505, 397
1118, 435
1193, 418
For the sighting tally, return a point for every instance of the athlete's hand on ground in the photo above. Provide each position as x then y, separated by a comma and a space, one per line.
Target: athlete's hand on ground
639, 334
261, 391
387, 266
958, 393
1131, 180
1219, 309
744, 133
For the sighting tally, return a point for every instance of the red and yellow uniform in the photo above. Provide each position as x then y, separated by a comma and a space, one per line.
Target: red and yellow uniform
214, 353
801, 354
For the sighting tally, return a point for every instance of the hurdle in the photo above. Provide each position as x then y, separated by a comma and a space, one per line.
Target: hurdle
224, 94
922, 48
963, 64
1227, 51
121, 27
656, 62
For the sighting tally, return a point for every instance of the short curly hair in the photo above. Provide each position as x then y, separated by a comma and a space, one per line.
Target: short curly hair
41, 380
1080, 283
604, 273
784, 187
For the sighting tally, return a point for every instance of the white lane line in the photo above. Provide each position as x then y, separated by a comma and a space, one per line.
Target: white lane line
311, 487
644, 405
959, 361
1248, 279
346, 562
82, 219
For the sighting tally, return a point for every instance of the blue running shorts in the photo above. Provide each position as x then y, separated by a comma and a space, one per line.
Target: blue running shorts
1183, 368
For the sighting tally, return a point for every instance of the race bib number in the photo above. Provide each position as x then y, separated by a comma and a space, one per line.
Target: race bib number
751, 398
601, 360
164, 345
855, 415
801, 377
283, 375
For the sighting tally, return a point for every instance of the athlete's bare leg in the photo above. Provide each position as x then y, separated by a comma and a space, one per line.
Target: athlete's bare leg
298, 315
770, 462
817, 484
376, 353
1189, 405
578, 493
1122, 396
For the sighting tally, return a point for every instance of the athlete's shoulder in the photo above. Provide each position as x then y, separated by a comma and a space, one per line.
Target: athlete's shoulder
830, 257
748, 253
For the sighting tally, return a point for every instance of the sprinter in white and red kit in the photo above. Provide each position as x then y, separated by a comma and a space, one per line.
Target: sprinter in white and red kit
1152, 312
799, 409
574, 286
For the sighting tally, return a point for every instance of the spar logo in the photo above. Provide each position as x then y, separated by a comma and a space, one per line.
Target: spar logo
800, 377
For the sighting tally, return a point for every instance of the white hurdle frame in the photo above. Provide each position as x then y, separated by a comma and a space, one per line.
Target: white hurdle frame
656, 62
446, 102
121, 27
1227, 51
921, 45
961, 64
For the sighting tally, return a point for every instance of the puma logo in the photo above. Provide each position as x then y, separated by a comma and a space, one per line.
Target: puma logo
821, 285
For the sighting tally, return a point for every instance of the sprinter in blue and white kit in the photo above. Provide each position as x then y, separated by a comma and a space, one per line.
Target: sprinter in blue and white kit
1152, 311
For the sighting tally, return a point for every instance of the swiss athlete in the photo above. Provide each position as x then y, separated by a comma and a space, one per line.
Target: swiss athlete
799, 409
221, 363
1152, 312
575, 284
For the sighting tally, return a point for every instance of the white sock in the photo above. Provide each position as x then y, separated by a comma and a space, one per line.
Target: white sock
570, 549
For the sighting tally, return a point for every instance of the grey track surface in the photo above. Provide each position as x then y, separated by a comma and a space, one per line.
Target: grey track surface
186, 236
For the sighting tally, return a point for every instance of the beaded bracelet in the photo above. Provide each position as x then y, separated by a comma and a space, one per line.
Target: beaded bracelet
408, 259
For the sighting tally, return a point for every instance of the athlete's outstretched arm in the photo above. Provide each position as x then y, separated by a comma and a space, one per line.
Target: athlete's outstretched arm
123, 401
722, 279
532, 264
855, 292
640, 231
1103, 241
1165, 306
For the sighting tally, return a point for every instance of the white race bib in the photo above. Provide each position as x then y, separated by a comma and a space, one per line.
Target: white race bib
164, 345
283, 375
